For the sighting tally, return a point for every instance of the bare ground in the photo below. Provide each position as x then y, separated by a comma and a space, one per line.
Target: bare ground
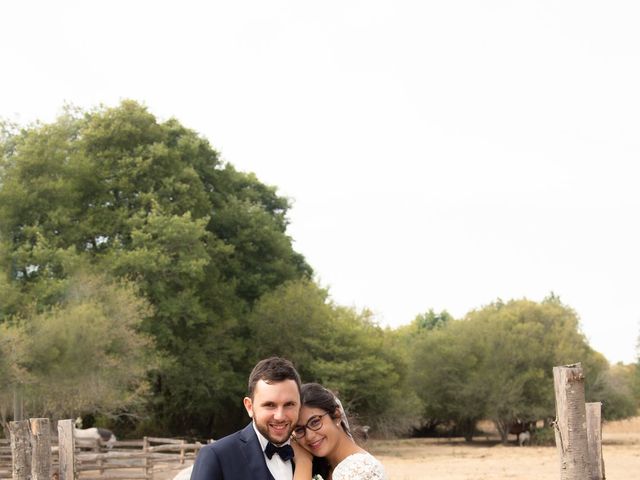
488, 460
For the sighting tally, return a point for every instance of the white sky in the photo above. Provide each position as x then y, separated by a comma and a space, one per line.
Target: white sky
438, 154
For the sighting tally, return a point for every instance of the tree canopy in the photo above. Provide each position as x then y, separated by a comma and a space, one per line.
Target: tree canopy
85, 354
150, 202
497, 363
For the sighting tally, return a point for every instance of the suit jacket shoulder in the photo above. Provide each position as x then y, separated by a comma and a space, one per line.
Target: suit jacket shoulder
235, 457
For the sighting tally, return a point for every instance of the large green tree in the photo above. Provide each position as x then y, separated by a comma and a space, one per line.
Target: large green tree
445, 374
497, 363
151, 202
85, 354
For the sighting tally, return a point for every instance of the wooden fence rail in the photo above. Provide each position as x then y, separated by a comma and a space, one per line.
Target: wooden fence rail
34, 454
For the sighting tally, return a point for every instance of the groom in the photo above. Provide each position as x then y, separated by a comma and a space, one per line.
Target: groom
261, 450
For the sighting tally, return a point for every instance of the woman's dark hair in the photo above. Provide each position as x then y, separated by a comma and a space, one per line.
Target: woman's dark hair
315, 395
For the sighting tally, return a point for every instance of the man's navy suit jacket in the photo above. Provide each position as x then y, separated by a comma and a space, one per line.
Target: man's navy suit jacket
235, 457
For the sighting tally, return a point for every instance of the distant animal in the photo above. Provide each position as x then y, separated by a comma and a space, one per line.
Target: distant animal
184, 474
104, 436
522, 430
518, 426
524, 438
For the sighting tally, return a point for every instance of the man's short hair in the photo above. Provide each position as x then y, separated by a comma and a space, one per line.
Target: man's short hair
272, 370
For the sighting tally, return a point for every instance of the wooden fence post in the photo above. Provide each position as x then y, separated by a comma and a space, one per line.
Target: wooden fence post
20, 449
148, 466
40, 449
66, 450
182, 452
594, 440
570, 428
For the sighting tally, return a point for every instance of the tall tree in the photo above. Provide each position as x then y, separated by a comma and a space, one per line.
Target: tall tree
151, 202
446, 376
498, 362
85, 354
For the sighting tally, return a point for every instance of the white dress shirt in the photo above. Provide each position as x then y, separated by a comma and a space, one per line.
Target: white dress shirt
280, 469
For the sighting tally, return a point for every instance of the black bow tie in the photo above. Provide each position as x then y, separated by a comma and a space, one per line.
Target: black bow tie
285, 451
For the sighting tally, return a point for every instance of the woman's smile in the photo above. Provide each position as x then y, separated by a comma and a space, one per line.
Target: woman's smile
316, 444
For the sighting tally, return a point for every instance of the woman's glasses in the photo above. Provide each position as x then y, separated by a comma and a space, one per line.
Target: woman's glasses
314, 424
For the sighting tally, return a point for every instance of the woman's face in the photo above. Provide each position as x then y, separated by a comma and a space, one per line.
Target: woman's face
321, 442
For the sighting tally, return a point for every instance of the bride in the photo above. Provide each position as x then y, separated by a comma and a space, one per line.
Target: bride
323, 444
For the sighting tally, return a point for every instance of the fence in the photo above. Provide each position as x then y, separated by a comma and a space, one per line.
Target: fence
578, 427
5, 458
36, 457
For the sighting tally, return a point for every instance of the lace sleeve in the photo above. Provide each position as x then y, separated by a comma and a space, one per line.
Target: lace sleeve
360, 466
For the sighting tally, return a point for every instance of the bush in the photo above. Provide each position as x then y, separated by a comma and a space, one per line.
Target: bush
544, 436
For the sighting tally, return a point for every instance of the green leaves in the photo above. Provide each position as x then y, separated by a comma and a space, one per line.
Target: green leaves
336, 346
498, 362
150, 202
84, 354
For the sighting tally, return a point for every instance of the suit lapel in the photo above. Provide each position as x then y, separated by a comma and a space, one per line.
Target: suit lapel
253, 454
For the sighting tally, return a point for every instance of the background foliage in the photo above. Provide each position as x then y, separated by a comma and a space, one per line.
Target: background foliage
141, 277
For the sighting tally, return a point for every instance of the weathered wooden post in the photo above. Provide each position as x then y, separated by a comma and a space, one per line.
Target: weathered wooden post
40, 449
148, 466
182, 442
594, 440
66, 450
20, 449
571, 428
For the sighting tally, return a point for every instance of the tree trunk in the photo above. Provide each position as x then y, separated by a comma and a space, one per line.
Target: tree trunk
503, 430
468, 428
18, 404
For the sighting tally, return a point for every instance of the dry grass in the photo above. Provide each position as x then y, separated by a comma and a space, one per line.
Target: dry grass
442, 459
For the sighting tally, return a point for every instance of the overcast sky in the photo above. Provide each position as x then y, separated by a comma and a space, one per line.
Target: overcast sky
437, 154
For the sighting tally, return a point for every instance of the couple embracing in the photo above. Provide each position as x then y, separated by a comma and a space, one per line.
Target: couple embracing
297, 432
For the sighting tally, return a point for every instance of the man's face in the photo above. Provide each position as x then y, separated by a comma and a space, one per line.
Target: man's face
274, 409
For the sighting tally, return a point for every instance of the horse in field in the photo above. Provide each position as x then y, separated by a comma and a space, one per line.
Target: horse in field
104, 436
524, 438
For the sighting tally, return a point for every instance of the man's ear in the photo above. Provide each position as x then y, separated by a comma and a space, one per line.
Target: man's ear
248, 406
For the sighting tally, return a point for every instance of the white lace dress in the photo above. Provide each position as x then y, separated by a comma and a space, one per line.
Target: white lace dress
359, 466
